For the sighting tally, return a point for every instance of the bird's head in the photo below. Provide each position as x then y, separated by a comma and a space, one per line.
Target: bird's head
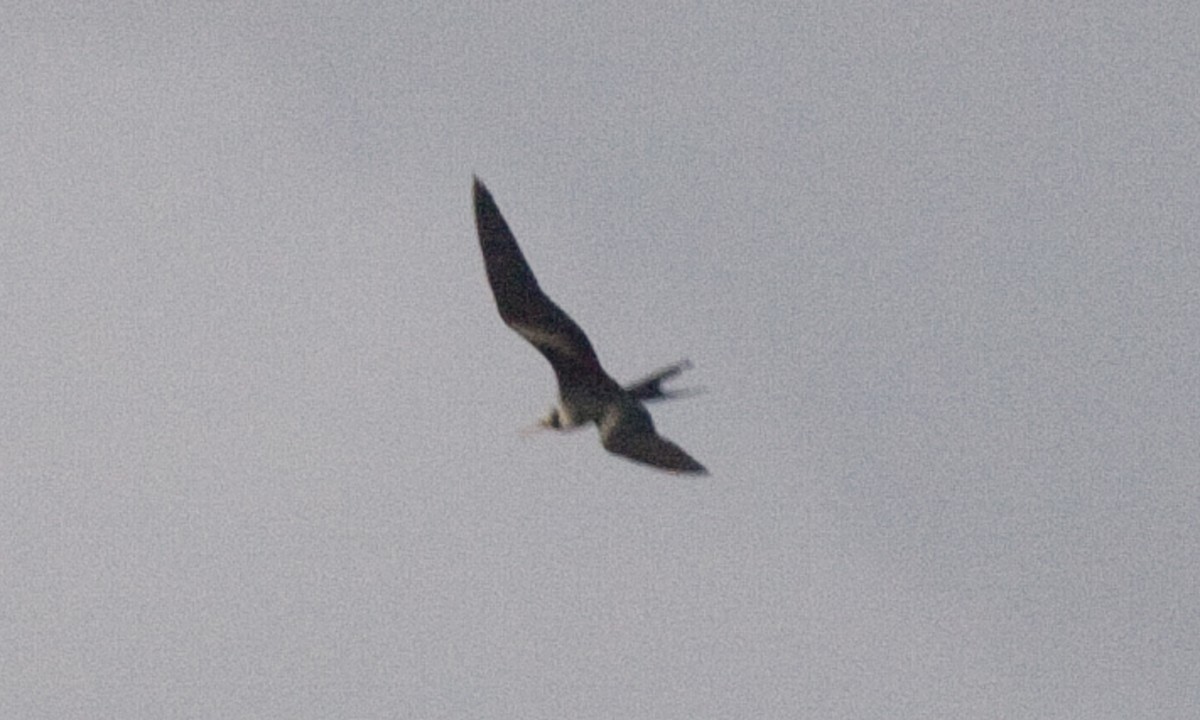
552, 420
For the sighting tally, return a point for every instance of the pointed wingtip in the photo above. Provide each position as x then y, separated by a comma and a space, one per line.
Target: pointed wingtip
481, 195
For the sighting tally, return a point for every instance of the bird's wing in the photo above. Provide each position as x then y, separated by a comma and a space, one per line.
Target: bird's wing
650, 387
631, 434
653, 449
522, 304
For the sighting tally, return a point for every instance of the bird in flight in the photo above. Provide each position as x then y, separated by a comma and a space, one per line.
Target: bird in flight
586, 394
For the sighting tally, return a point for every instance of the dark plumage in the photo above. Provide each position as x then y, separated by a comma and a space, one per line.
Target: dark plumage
586, 393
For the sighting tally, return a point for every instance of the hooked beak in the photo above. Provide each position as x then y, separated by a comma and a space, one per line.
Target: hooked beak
530, 430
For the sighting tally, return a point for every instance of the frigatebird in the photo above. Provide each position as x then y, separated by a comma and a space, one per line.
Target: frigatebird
586, 394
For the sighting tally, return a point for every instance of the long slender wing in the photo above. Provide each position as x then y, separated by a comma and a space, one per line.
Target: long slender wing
650, 387
522, 304
652, 449
627, 430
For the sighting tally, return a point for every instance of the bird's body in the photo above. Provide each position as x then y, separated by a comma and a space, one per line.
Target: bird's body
586, 393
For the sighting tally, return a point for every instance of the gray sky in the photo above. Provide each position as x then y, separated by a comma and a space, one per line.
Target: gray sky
938, 268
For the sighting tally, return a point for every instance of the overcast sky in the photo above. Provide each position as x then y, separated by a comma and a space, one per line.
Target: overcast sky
937, 266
